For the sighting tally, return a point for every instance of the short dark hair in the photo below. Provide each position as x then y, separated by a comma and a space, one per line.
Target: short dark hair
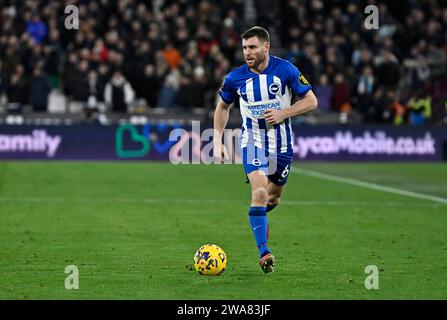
257, 31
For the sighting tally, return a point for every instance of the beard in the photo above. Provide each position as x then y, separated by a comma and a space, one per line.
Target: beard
257, 60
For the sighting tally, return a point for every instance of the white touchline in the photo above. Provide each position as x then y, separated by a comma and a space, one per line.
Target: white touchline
368, 185
310, 203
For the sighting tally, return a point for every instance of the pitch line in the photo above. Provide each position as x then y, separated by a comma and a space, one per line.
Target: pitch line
368, 185
305, 203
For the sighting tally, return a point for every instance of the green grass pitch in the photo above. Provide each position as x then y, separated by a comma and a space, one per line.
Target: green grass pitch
132, 229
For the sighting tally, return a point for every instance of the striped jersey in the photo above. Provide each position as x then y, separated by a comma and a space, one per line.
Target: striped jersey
271, 89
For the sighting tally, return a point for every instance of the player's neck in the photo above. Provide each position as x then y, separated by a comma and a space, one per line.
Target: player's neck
262, 66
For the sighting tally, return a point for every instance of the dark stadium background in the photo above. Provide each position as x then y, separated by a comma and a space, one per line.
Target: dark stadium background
174, 55
368, 185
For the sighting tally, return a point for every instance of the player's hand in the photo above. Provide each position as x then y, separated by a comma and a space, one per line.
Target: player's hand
274, 116
220, 153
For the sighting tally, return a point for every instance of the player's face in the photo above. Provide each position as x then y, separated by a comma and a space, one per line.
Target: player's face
255, 51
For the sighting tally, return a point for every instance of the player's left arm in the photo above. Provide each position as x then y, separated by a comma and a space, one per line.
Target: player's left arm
308, 103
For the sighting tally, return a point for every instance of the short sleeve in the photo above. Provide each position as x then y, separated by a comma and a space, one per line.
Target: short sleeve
297, 82
228, 91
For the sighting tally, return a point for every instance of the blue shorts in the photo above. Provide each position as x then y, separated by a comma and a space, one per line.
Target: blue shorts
275, 166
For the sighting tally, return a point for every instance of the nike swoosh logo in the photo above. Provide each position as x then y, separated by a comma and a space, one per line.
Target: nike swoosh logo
254, 228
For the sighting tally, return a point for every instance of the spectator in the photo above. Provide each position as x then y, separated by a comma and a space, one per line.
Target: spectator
93, 105
16, 92
149, 86
365, 84
52, 55
323, 90
2, 79
205, 40
37, 29
171, 55
192, 91
301, 59
198, 87
103, 78
387, 70
420, 108
364, 87
40, 89
80, 89
68, 77
396, 109
294, 52
100, 51
436, 60
229, 39
417, 69
118, 94
361, 58
169, 90
375, 111
341, 94
95, 94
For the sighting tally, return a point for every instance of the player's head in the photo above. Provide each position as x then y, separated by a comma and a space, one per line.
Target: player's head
255, 45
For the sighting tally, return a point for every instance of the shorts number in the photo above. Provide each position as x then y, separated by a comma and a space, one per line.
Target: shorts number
285, 172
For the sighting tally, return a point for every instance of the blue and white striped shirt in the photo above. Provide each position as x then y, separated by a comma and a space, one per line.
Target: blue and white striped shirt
271, 89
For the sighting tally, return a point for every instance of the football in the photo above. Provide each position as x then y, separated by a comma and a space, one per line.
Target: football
210, 260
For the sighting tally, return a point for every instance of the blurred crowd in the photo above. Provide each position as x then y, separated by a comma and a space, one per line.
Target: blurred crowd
164, 53
395, 74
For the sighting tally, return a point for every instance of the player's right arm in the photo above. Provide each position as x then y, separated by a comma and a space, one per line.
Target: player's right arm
227, 93
221, 116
